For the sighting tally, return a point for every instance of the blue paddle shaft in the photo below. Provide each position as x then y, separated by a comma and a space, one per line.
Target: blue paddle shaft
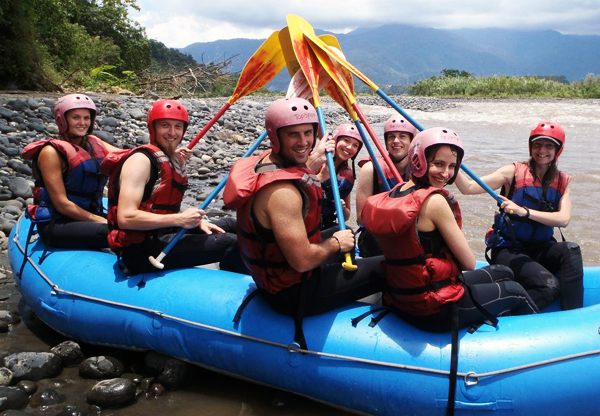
386, 185
481, 183
400, 110
334, 183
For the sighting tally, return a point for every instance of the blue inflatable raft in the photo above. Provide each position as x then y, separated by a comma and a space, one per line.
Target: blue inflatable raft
546, 364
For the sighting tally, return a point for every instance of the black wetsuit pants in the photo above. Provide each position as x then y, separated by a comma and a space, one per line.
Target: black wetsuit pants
67, 233
195, 248
546, 271
491, 287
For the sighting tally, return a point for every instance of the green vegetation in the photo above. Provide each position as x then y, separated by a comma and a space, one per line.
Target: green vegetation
455, 83
54, 45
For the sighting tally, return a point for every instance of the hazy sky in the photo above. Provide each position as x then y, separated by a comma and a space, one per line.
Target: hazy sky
179, 23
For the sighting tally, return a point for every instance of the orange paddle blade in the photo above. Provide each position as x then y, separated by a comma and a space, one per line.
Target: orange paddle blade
261, 68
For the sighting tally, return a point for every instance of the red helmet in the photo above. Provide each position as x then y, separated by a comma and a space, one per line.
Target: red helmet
551, 131
351, 131
73, 102
289, 112
170, 109
398, 123
427, 138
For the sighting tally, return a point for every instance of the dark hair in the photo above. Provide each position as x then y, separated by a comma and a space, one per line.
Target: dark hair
548, 176
430, 152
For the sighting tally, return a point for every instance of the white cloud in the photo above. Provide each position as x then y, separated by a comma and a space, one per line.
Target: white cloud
178, 23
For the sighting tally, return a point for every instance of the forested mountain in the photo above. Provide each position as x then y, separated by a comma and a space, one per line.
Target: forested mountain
401, 54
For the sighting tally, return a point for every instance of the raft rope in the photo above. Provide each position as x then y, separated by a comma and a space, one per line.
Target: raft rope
470, 379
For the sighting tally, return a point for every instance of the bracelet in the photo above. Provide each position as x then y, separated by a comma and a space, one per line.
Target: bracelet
526, 215
339, 245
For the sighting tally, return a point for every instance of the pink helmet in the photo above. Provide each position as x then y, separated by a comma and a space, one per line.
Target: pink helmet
427, 138
551, 131
170, 109
398, 123
351, 131
72, 102
289, 112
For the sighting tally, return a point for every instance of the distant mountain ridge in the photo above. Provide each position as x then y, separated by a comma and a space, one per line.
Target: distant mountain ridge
397, 54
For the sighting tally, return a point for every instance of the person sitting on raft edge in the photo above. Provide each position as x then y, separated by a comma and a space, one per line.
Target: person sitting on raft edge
419, 226
278, 201
145, 193
67, 207
537, 198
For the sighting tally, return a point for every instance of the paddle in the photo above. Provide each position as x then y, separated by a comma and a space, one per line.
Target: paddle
302, 90
323, 49
310, 68
327, 63
156, 262
261, 68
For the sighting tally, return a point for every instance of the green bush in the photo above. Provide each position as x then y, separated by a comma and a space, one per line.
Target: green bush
457, 84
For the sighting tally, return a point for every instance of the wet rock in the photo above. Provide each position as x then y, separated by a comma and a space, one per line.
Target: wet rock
69, 352
6, 376
28, 386
46, 397
157, 390
138, 113
15, 413
136, 378
171, 372
12, 398
33, 365
11, 317
4, 327
101, 368
112, 393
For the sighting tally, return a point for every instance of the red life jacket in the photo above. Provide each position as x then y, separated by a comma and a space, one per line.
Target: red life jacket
269, 268
418, 283
389, 176
84, 184
162, 199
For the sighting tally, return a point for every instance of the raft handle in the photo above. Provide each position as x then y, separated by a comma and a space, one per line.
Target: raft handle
294, 347
471, 379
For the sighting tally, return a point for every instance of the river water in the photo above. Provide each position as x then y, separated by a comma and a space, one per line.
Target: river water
494, 133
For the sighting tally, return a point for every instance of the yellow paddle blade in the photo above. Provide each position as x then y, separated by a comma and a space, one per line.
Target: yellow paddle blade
308, 62
333, 44
323, 46
261, 68
288, 51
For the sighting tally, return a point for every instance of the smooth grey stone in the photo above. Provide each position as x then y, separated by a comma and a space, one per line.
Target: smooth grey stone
12, 398
101, 368
6, 376
46, 397
20, 187
33, 365
112, 393
69, 352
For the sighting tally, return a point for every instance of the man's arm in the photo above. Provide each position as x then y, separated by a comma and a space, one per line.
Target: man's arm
134, 177
279, 207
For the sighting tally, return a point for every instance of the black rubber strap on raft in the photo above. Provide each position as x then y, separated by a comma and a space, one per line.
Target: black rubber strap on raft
359, 318
245, 302
375, 320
